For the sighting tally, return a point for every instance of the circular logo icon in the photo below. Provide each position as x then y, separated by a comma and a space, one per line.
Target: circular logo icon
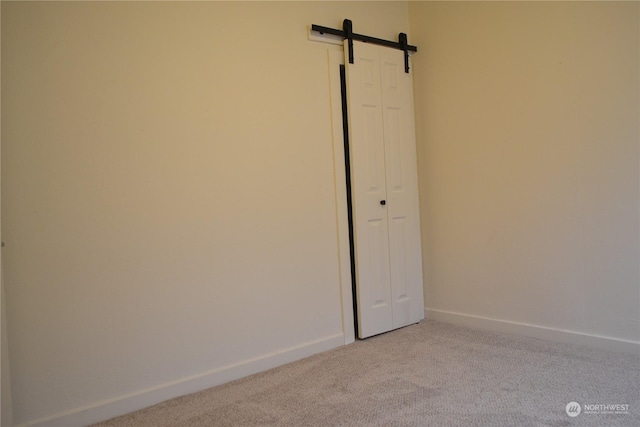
573, 409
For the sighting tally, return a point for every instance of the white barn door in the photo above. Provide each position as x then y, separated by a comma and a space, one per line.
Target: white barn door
384, 190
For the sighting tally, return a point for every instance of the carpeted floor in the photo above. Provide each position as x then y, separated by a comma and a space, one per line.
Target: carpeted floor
430, 374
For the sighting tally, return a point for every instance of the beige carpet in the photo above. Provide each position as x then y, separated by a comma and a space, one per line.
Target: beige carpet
430, 374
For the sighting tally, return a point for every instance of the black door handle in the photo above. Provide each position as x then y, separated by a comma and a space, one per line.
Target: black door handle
383, 202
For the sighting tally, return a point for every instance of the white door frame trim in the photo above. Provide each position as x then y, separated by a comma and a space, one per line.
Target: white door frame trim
335, 59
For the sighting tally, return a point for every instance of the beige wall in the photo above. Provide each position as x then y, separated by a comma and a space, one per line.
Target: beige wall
6, 410
527, 123
168, 195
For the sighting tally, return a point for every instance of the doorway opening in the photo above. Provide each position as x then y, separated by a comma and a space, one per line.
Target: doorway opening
347, 168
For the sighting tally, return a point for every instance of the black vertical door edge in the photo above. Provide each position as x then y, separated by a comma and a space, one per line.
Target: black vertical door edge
347, 167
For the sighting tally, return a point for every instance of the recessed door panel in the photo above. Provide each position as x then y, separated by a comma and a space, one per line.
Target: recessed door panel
374, 149
393, 141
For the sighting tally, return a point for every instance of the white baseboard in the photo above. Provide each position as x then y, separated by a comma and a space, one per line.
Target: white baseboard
124, 404
535, 331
